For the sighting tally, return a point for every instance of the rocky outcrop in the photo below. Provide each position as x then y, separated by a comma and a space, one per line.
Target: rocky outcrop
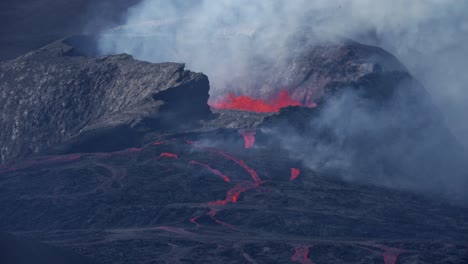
311, 69
51, 96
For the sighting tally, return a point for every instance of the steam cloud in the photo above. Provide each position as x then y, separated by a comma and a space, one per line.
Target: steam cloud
222, 37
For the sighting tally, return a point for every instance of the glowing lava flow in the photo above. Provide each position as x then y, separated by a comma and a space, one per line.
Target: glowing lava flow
239, 162
214, 171
390, 254
294, 174
301, 255
212, 215
169, 155
246, 103
233, 194
249, 138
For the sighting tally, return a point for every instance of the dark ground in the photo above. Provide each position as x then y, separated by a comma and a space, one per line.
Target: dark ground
183, 193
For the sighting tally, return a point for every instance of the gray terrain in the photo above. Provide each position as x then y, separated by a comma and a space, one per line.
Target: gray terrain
123, 161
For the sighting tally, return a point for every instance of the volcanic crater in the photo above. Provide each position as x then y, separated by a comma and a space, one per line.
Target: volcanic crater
124, 161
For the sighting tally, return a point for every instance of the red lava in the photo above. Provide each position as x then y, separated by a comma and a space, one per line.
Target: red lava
228, 156
212, 215
301, 255
246, 103
233, 194
214, 171
169, 155
294, 174
249, 138
194, 220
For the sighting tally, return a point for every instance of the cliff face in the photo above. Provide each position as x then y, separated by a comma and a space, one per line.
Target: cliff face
49, 96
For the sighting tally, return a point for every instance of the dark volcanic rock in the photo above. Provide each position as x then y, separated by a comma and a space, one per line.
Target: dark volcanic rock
192, 193
49, 97
143, 205
311, 69
17, 251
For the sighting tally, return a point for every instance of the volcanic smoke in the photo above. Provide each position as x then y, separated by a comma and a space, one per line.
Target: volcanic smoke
246, 103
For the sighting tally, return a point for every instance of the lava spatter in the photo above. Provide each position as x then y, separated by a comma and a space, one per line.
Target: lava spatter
249, 137
294, 174
301, 255
214, 171
246, 103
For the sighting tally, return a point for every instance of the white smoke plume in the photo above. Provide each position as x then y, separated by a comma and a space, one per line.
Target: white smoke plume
220, 37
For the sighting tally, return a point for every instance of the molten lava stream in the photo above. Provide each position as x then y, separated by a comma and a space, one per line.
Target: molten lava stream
228, 156
212, 215
301, 255
246, 103
214, 171
249, 138
294, 174
233, 194
169, 155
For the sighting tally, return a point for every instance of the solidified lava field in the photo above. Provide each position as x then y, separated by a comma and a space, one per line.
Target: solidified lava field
177, 200
124, 161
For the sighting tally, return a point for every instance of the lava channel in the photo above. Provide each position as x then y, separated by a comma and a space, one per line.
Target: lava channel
294, 174
212, 215
301, 255
228, 156
214, 171
249, 138
246, 103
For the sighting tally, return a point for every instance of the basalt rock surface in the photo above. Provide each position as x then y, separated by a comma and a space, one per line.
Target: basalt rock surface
52, 96
194, 198
144, 172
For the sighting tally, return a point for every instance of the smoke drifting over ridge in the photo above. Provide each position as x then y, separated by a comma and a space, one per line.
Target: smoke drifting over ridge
221, 38
224, 38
